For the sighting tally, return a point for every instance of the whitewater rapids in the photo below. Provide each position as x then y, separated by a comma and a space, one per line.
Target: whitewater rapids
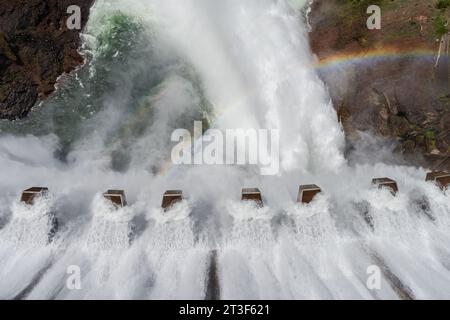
153, 66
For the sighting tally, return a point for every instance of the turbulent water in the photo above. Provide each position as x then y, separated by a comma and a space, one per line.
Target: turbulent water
156, 65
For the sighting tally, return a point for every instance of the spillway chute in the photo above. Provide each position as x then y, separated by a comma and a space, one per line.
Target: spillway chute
112, 225
33, 220
309, 218
171, 228
252, 221
384, 191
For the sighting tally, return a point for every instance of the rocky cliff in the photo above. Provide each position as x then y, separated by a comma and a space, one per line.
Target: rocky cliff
36, 47
393, 82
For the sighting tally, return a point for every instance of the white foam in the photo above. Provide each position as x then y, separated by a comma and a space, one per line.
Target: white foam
111, 227
253, 60
31, 224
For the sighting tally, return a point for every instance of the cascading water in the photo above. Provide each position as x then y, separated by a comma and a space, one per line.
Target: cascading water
157, 65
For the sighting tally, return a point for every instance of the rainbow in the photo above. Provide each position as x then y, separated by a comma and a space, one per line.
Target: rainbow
346, 58
341, 60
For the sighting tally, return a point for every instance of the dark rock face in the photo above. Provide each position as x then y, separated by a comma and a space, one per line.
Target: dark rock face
36, 47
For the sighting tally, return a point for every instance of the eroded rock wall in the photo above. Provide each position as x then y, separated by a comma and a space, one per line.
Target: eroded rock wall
36, 47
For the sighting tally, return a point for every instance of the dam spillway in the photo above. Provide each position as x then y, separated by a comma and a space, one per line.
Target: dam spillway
109, 126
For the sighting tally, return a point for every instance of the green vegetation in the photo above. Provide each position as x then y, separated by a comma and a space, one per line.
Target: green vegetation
430, 135
351, 17
410, 20
440, 25
443, 4
431, 140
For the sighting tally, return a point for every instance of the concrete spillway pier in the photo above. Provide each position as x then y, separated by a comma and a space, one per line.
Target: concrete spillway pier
252, 194
29, 195
213, 282
170, 198
307, 193
386, 183
117, 197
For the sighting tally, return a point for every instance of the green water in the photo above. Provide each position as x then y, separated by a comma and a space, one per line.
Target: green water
124, 73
